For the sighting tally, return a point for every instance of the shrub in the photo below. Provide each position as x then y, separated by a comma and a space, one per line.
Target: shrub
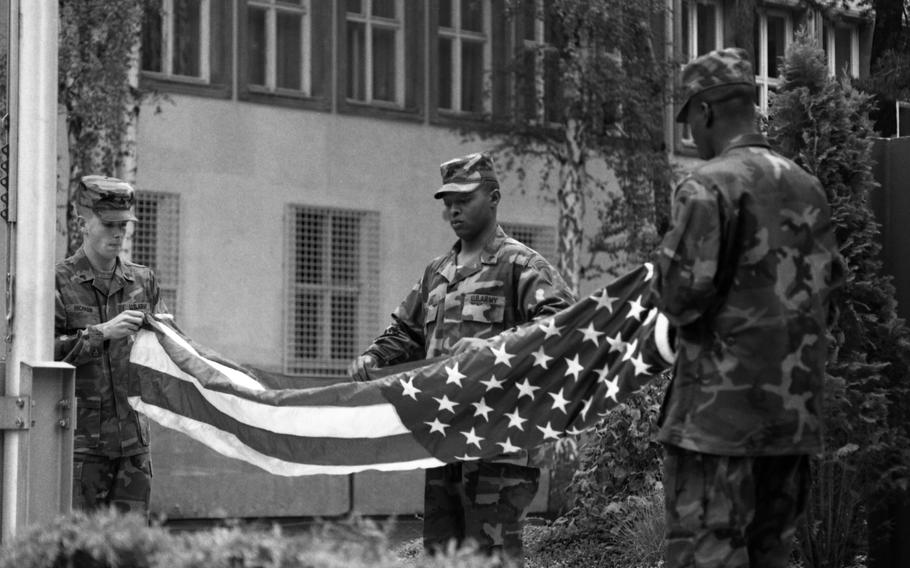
823, 124
621, 458
110, 540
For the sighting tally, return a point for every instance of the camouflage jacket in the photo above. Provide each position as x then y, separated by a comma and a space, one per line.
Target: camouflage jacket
105, 423
511, 285
746, 273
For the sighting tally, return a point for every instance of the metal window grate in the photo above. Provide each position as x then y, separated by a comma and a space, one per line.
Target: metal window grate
333, 273
541, 238
156, 241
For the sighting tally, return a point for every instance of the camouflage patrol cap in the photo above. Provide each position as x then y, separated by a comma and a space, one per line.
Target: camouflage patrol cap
465, 174
719, 68
111, 199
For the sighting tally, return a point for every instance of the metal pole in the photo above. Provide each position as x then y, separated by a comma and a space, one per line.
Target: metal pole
35, 148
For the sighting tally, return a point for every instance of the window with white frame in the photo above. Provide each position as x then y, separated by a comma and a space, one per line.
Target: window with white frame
278, 39
902, 118
464, 55
333, 271
701, 29
156, 241
541, 238
772, 34
841, 44
538, 81
375, 51
176, 38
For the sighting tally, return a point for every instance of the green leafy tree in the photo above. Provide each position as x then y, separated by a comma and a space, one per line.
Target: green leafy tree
592, 95
823, 124
99, 47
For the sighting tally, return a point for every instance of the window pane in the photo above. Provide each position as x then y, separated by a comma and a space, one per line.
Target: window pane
777, 41
156, 241
445, 13
686, 32
445, 73
356, 39
345, 236
145, 235
354, 6
553, 111
307, 320
289, 50
291, 2
343, 323
472, 15
187, 35
707, 28
471, 76
309, 246
527, 84
384, 8
825, 41
843, 47
257, 46
151, 39
383, 65
529, 20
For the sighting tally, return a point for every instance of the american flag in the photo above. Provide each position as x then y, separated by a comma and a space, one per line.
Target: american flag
534, 384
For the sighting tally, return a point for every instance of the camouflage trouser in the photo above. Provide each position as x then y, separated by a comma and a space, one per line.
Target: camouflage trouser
480, 501
124, 483
732, 512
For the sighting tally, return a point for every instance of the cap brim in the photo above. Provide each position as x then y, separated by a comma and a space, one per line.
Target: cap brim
456, 188
115, 215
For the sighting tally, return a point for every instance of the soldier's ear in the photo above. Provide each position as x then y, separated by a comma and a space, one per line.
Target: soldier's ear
709, 114
495, 196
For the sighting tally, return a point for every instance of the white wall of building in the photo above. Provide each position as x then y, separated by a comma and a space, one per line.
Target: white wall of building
238, 165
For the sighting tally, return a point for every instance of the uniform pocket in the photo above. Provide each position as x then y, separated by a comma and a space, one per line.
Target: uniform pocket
88, 423
429, 318
79, 316
144, 436
483, 308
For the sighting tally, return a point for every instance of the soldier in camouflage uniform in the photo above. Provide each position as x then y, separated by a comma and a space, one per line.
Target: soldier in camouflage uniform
100, 303
487, 283
745, 274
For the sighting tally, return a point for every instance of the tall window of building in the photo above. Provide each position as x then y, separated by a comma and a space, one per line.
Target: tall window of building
465, 55
332, 288
156, 241
541, 238
375, 51
772, 33
701, 31
841, 45
176, 39
278, 39
538, 80
702, 25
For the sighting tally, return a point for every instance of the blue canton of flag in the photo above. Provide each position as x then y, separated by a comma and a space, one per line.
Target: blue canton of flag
539, 382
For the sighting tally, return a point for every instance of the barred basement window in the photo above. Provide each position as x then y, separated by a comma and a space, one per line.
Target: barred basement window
156, 241
333, 274
541, 238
